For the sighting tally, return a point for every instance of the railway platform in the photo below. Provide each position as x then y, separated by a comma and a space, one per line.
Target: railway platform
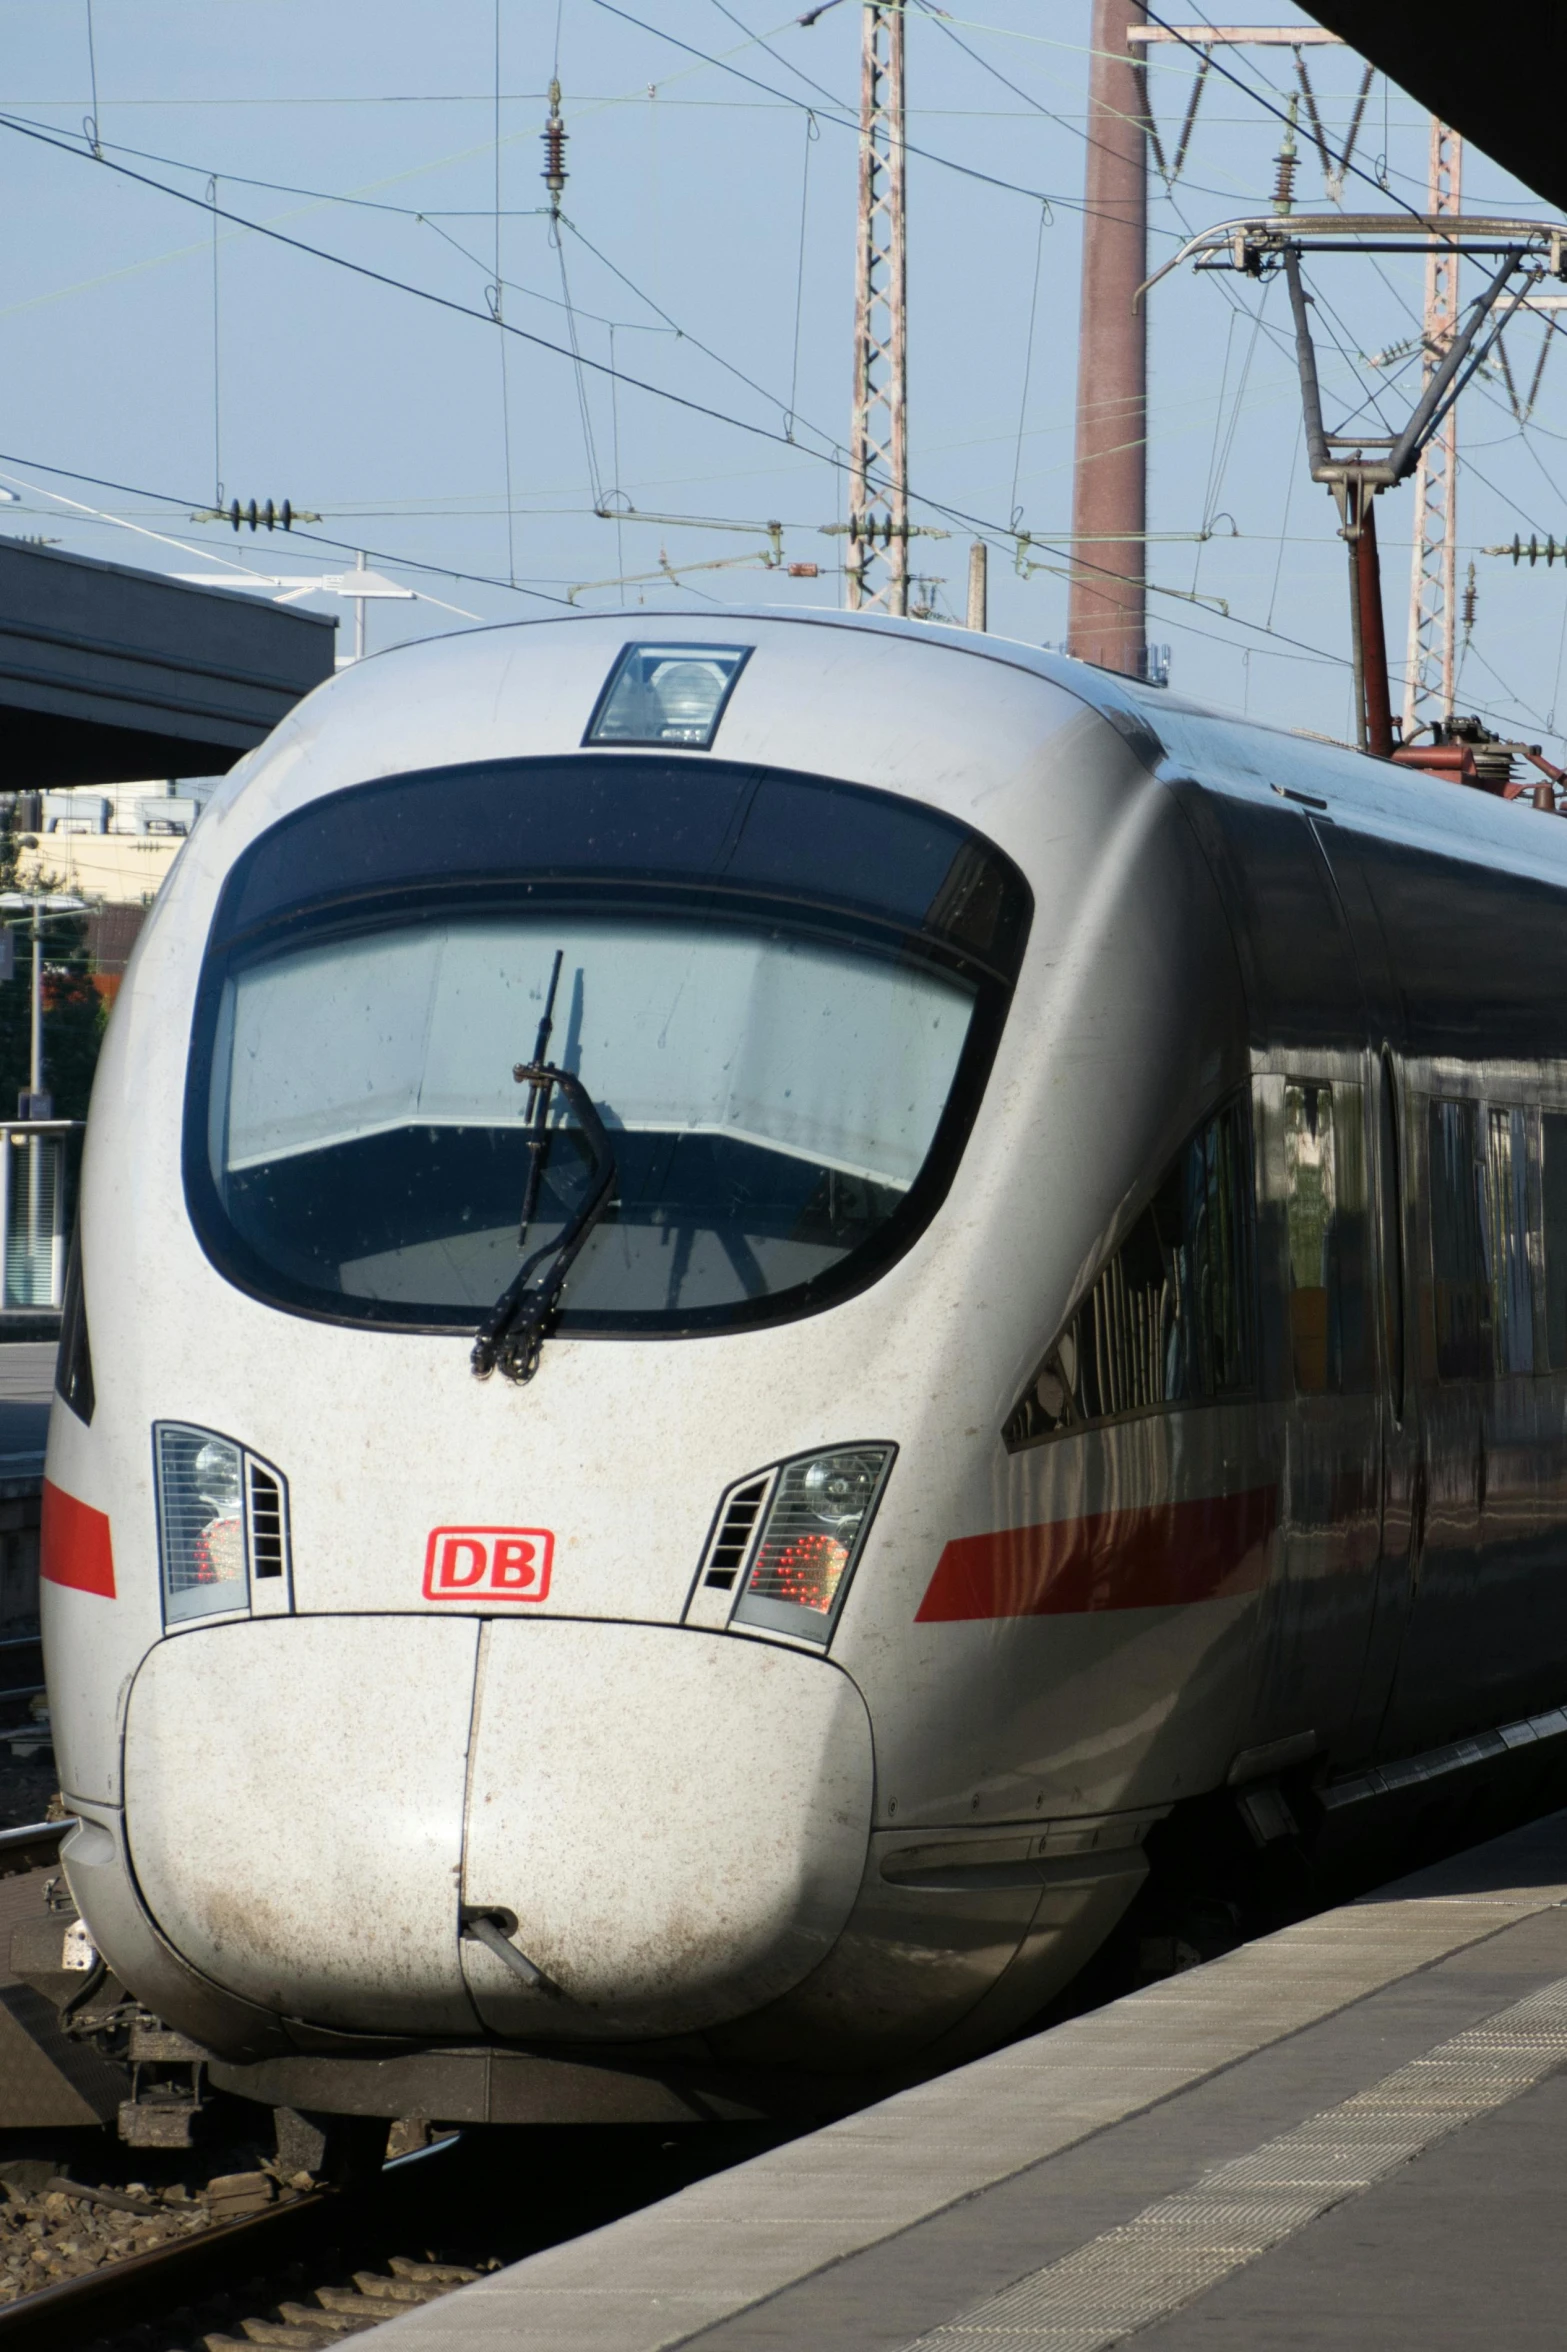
1351, 2134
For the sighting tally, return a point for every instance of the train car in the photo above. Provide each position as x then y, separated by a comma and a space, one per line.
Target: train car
751, 1294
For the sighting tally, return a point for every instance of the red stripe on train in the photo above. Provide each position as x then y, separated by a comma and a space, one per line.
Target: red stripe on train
73, 1545
1156, 1557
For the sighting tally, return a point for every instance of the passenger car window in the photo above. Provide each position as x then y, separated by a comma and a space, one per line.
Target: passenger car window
1460, 1283
1325, 1218
1553, 1185
1169, 1319
1507, 1233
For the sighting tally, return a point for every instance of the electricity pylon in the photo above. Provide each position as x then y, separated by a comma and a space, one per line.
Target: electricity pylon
1433, 597
878, 559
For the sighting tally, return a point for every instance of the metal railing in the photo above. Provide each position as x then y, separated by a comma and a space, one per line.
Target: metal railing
35, 1172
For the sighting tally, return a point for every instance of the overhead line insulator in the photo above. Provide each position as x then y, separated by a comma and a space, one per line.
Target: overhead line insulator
1531, 550
268, 517
554, 174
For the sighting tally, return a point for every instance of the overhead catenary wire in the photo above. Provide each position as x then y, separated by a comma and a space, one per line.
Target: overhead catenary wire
1298, 647
91, 126
584, 409
217, 370
840, 120
812, 135
387, 279
499, 301
613, 373
939, 18
243, 572
1015, 511
685, 335
355, 546
782, 97
1377, 179
582, 360
761, 41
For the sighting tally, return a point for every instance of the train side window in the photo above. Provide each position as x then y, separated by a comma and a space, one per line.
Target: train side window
1391, 1195
1507, 1231
1460, 1274
1553, 1185
1324, 1180
1169, 1319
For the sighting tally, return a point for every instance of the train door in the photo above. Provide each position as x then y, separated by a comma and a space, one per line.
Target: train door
1479, 954
1524, 1624
1400, 1471
1309, 1028
1314, 1229
1488, 1631
1436, 1691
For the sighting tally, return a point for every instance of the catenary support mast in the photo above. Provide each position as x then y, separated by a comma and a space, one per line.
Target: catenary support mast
1433, 588
1107, 614
878, 559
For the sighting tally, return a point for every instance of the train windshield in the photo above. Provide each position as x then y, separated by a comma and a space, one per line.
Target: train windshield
781, 994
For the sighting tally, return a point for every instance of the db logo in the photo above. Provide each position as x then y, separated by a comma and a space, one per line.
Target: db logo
488, 1563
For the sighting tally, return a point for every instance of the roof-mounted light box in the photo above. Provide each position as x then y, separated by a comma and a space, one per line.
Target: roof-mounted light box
667, 694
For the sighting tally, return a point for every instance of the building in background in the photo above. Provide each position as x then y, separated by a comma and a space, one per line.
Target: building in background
106, 674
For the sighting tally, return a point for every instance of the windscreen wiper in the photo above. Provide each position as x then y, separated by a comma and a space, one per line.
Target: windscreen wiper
511, 1337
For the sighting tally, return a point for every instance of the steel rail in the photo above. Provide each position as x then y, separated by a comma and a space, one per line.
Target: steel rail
111, 2300
35, 1844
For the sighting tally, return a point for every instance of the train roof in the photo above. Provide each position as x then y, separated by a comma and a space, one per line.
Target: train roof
1177, 739
1184, 740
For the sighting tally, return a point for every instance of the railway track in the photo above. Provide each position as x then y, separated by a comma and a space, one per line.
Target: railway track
33, 1846
154, 2290
22, 1697
332, 2262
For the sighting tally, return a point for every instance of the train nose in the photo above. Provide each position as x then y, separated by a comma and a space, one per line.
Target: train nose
676, 1821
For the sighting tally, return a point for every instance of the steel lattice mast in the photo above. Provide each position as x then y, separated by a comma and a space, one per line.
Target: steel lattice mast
1433, 590
878, 559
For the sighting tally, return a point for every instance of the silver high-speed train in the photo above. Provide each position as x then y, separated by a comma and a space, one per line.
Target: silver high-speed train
749, 1295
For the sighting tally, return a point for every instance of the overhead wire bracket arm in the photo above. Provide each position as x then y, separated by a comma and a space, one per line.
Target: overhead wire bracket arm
1433, 400
1306, 361
1251, 242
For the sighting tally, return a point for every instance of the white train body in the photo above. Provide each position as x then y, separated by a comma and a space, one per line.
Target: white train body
463, 1650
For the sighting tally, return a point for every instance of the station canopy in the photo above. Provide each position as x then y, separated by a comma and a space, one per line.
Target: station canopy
107, 673
1499, 82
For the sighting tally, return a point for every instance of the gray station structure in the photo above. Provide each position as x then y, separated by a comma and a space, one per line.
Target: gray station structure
109, 673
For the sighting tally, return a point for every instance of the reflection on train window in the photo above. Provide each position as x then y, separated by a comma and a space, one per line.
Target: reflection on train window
771, 1098
1507, 1232
1169, 1319
1460, 1283
780, 993
1324, 1177
1553, 1185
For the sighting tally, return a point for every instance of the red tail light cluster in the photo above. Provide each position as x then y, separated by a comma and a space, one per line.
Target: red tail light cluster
811, 1533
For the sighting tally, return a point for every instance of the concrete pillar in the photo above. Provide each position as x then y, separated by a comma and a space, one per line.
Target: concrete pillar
1107, 617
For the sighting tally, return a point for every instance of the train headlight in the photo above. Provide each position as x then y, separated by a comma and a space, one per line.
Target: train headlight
215, 1475
667, 694
812, 1533
222, 1524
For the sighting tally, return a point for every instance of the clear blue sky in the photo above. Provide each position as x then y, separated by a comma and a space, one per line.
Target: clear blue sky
708, 252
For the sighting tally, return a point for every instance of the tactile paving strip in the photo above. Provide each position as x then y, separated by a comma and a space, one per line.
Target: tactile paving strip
1177, 2248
